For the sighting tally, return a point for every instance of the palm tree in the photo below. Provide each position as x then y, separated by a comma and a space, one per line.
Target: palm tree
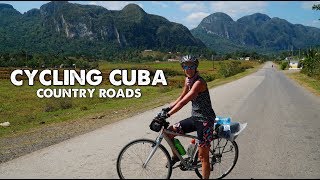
316, 7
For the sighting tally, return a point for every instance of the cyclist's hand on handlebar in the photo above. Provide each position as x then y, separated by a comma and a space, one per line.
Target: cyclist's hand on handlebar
163, 115
159, 121
167, 109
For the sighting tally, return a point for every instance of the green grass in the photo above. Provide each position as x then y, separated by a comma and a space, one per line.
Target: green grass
25, 111
221, 81
309, 83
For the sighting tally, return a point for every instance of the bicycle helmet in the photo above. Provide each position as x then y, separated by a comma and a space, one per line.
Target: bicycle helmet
189, 58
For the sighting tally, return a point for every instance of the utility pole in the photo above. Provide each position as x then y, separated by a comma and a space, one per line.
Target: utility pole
212, 62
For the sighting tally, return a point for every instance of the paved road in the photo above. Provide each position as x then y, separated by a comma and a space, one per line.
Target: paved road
280, 141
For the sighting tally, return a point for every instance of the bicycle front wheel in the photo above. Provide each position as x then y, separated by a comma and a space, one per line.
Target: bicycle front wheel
223, 157
133, 156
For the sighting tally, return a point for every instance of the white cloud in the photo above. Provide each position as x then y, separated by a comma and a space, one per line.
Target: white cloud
314, 23
194, 6
194, 19
161, 4
237, 9
308, 4
197, 16
113, 5
197, 11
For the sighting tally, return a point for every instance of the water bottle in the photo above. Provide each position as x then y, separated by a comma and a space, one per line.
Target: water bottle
179, 147
221, 120
226, 132
191, 148
222, 125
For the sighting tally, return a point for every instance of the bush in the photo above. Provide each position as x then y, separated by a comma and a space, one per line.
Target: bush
284, 64
164, 89
208, 77
65, 103
230, 68
170, 72
246, 65
311, 66
56, 104
177, 82
50, 107
84, 108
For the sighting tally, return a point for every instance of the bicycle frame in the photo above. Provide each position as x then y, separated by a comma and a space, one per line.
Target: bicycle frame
163, 134
189, 162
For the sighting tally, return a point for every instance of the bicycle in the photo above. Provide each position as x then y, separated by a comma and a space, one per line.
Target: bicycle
151, 158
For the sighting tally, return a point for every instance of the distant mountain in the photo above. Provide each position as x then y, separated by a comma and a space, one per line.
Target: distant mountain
254, 32
72, 28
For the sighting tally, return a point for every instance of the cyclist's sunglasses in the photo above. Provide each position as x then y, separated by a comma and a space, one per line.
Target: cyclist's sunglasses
192, 67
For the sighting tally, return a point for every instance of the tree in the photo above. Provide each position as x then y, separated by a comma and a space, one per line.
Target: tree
316, 7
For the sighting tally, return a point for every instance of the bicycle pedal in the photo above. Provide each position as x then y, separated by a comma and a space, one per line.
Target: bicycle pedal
176, 166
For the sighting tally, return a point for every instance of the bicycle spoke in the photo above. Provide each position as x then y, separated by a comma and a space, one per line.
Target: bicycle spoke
138, 157
227, 157
147, 172
135, 155
222, 165
223, 156
220, 169
134, 169
134, 159
141, 171
145, 151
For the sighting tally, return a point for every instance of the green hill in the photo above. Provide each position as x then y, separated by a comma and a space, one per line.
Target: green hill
256, 32
72, 29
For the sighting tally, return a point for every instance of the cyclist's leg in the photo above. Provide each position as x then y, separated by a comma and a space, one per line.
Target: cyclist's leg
205, 135
204, 157
184, 126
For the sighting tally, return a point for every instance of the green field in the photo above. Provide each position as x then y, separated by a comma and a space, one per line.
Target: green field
25, 111
312, 84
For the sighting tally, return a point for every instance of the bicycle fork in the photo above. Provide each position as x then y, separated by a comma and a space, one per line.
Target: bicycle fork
156, 145
154, 149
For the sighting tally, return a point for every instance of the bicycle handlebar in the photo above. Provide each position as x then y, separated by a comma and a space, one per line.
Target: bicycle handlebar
158, 122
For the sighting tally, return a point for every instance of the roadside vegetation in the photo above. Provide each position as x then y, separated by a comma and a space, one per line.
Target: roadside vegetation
309, 75
25, 111
309, 62
312, 84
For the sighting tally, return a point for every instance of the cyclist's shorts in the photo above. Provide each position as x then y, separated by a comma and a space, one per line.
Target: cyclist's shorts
204, 129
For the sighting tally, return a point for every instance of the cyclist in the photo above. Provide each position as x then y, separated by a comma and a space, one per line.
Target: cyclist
195, 89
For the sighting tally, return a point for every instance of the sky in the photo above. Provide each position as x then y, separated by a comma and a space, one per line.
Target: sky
190, 13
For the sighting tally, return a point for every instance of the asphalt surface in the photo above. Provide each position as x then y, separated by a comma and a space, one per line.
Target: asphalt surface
280, 141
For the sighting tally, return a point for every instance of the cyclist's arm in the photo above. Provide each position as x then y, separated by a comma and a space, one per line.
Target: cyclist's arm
198, 86
184, 92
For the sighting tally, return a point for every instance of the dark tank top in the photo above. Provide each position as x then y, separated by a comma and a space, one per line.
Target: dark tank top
201, 105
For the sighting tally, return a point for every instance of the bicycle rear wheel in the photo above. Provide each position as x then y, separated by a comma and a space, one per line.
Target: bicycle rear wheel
223, 157
133, 156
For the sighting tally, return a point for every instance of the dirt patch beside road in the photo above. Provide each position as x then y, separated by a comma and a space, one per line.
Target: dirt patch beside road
24, 143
